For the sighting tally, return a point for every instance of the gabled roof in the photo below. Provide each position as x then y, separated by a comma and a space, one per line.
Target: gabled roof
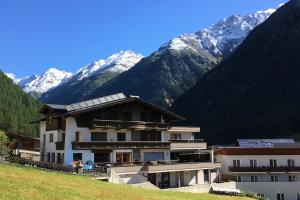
57, 106
83, 105
107, 101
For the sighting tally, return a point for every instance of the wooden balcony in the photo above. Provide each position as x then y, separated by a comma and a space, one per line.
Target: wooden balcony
120, 145
60, 145
132, 125
281, 169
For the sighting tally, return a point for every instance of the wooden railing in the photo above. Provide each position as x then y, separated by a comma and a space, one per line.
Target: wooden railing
133, 125
120, 145
40, 164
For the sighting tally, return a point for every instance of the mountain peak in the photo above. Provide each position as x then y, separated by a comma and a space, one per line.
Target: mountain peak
221, 38
270, 10
117, 62
45, 81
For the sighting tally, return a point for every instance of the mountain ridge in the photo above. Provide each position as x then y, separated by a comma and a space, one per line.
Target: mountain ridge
179, 63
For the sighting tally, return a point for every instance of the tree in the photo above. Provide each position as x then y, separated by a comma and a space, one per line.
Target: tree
3, 143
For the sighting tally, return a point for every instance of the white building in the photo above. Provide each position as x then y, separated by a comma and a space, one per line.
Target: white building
131, 135
268, 167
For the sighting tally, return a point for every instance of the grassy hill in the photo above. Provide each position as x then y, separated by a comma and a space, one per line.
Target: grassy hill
28, 183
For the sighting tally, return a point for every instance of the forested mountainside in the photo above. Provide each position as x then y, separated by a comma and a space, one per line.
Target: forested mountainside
17, 108
255, 93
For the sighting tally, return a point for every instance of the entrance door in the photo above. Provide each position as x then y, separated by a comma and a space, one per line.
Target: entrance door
165, 180
193, 175
206, 175
152, 178
123, 157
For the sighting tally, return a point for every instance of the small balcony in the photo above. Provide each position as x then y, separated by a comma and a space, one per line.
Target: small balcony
120, 145
132, 125
281, 169
60, 145
188, 144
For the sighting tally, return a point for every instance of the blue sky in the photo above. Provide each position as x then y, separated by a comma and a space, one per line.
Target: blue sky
67, 34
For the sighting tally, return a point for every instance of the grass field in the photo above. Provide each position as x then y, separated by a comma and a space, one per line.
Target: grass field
28, 183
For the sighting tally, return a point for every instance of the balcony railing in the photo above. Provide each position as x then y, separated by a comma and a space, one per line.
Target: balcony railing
188, 141
264, 169
60, 145
188, 144
133, 125
120, 145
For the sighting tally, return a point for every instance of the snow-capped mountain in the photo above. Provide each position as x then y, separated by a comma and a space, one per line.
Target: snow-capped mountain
220, 38
118, 62
44, 82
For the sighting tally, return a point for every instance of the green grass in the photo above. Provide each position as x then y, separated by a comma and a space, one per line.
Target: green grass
18, 183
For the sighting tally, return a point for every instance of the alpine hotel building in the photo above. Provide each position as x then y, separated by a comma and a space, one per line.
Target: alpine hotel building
132, 136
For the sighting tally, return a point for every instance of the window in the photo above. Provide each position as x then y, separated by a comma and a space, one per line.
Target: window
238, 179
261, 195
48, 157
123, 157
274, 178
98, 136
253, 163
273, 163
101, 157
254, 178
292, 178
280, 196
77, 156
51, 138
291, 163
175, 136
77, 137
44, 140
53, 157
121, 136
236, 163
58, 156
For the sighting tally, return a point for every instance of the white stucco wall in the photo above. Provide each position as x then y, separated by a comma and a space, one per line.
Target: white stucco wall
264, 186
270, 189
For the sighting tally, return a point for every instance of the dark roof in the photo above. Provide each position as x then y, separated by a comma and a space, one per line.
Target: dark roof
264, 142
19, 136
106, 101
